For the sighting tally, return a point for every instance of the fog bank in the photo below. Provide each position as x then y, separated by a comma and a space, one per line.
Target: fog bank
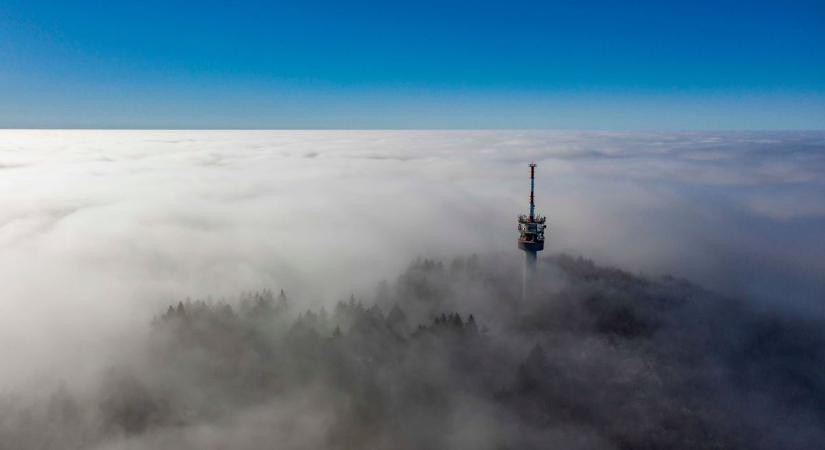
101, 230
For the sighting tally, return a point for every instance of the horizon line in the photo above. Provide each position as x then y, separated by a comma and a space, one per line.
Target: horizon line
637, 130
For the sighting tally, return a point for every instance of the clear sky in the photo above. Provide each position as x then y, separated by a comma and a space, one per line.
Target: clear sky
417, 64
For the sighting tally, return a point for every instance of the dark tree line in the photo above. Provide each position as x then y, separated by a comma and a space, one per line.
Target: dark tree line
441, 358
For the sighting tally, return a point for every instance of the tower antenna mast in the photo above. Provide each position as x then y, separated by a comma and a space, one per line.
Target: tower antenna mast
532, 190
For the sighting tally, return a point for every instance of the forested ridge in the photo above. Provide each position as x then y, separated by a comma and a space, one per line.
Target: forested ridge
449, 355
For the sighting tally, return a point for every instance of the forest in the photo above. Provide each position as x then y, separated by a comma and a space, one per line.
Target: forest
449, 355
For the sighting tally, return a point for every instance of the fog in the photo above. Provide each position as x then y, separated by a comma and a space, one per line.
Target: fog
102, 230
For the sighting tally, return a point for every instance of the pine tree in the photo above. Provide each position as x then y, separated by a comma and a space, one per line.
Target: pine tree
533, 370
283, 303
471, 326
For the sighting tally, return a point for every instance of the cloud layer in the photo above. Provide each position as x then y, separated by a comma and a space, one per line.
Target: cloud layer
100, 228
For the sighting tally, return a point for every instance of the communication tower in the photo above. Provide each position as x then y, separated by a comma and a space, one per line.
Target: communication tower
531, 234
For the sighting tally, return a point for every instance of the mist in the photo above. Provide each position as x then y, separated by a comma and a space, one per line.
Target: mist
679, 302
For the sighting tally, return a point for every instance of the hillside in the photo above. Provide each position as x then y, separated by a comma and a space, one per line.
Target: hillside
449, 356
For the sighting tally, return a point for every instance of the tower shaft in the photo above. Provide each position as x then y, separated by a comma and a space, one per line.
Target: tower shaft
529, 273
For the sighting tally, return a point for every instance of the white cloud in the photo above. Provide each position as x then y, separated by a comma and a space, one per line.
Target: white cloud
111, 224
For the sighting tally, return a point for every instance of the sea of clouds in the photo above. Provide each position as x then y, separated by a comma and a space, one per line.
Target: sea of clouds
101, 229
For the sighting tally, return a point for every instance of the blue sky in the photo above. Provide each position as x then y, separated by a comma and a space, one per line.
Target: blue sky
423, 64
